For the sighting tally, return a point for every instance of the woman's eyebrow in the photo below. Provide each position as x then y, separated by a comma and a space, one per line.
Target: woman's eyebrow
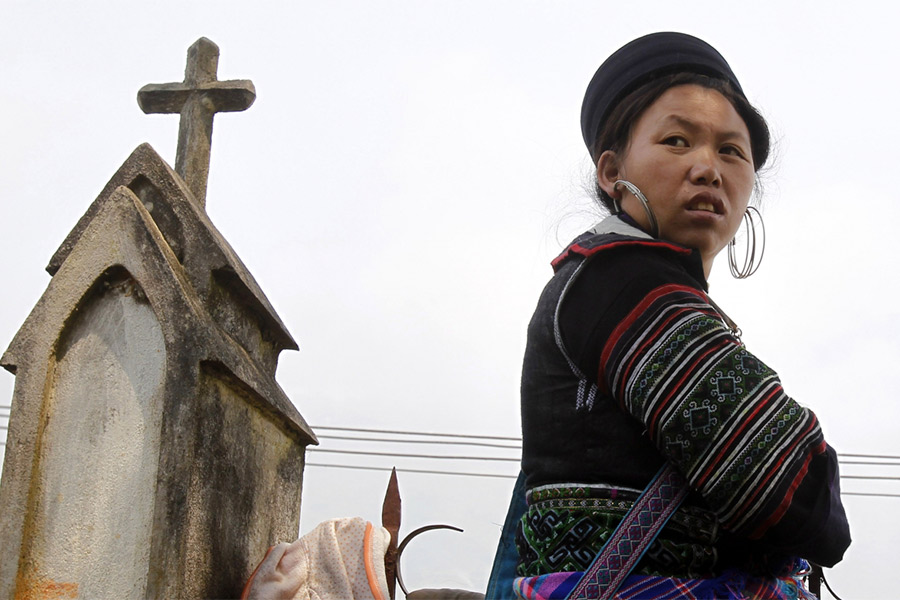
693, 126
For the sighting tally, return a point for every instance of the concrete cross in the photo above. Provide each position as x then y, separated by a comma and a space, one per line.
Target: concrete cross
198, 98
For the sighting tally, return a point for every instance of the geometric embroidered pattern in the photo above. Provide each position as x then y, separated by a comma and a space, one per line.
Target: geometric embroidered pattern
565, 527
733, 584
634, 535
712, 408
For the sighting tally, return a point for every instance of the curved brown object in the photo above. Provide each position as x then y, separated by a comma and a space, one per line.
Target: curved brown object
408, 539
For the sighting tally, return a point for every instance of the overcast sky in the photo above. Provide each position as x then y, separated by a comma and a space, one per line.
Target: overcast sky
407, 173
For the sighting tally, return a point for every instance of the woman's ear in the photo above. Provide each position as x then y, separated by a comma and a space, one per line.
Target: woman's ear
608, 173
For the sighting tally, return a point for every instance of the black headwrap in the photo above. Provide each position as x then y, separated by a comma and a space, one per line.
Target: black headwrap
638, 62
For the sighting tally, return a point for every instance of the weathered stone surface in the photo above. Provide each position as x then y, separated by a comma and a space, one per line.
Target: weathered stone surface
151, 453
198, 98
101, 512
237, 516
199, 248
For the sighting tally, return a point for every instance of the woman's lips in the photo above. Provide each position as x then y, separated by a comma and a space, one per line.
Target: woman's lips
706, 206
706, 202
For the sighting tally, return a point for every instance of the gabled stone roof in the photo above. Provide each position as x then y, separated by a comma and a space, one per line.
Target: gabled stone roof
198, 245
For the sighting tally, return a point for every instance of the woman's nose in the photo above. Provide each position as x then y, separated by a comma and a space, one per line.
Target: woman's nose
705, 169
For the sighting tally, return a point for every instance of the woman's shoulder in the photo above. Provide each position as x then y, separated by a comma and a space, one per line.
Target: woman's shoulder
607, 276
614, 254
621, 249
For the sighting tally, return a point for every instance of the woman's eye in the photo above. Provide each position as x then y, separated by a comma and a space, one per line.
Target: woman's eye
732, 151
676, 141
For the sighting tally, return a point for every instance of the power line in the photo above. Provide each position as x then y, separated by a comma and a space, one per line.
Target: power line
465, 440
886, 456
399, 441
510, 439
503, 446
402, 455
519, 440
507, 459
422, 433
499, 459
404, 470
501, 476
516, 447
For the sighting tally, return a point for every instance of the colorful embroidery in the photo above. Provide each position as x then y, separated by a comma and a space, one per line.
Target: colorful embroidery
711, 407
630, 541
731, 585
565, 527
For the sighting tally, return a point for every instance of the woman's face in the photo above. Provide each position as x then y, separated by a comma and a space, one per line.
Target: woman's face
690, 154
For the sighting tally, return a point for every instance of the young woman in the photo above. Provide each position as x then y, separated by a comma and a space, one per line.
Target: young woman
632, 371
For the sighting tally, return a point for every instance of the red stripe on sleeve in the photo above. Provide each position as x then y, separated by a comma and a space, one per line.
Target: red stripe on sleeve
789, 496
633, 316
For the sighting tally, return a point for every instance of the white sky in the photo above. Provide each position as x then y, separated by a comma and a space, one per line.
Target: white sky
406, 174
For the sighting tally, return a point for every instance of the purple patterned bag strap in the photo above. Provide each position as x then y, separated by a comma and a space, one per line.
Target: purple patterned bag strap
630, 540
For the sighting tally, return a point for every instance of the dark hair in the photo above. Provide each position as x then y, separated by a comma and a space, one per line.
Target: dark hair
616, 130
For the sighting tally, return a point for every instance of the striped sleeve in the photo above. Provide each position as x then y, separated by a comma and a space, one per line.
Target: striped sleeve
711, 407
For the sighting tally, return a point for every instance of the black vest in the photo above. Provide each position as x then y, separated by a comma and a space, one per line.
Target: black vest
572, 431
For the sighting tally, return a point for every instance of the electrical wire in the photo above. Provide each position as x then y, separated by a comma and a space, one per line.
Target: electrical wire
465, 440
404, 470
502, 476
519, 439
402, 455
455, 439
507, 459
870, 463
886, 456
422, 433
399, 441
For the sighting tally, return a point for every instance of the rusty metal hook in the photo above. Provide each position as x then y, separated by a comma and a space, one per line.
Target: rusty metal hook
408, 539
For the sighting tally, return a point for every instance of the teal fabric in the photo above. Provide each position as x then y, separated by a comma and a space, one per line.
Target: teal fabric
500, 584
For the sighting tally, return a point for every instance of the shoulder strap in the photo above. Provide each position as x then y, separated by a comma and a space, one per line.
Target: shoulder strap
633, 536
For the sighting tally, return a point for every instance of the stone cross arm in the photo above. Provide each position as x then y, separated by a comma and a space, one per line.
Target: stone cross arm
224, 96
198, 98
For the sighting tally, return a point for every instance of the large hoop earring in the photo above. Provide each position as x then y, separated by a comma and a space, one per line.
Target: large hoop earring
654, 226
751, 263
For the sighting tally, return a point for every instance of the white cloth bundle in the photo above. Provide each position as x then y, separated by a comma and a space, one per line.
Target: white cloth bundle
341, 559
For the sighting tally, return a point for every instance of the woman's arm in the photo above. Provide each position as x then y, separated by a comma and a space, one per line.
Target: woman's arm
711, 407
814, 526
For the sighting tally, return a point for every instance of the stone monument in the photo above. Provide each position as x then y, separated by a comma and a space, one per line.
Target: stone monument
150, 452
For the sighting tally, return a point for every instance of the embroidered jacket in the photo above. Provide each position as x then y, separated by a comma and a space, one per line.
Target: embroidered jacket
629, 365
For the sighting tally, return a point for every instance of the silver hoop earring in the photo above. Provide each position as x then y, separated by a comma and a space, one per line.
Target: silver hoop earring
654, 226
751, 263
